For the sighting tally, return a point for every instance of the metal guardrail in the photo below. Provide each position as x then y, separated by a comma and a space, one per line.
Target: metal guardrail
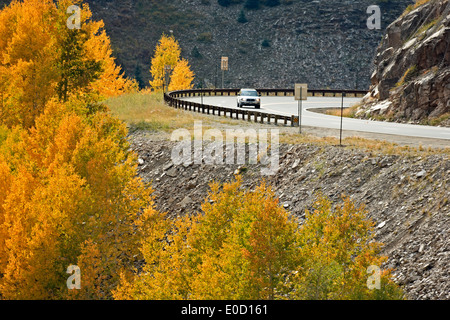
172, 99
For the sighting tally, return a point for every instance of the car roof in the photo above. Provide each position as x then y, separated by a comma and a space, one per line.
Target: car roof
248, 89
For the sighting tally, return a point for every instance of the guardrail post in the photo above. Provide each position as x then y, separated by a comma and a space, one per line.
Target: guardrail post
292, 121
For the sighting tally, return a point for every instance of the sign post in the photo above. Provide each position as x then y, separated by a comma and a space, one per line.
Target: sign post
301, 93
224, 67
342, 112
201, 90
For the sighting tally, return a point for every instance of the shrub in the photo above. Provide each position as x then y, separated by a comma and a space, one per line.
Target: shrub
241, 17
246, 246
205, 37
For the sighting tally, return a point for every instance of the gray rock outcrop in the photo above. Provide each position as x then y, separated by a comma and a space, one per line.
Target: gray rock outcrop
411, 81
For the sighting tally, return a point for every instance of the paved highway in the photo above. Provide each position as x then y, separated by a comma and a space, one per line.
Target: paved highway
288, 106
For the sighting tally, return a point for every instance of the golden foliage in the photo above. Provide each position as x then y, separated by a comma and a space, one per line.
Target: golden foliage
76, 200
168, 53
68, 187
40, 58
336, 249
245, 246
182, 76
70, 195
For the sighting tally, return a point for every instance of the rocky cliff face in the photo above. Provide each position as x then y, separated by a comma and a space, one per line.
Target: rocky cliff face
411, 81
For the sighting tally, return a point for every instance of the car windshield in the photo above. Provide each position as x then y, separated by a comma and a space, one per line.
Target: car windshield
251, 93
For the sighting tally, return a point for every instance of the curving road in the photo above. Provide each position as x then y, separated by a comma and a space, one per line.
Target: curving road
288, 106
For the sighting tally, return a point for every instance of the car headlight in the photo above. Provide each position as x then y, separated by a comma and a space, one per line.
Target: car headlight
258, 100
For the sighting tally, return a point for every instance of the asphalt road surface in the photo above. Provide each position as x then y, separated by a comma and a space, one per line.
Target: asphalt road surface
288, 106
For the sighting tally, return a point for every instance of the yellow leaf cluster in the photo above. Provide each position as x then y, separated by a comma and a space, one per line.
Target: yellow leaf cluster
182, 76
168, 53
41, 58
245, 246
69, 195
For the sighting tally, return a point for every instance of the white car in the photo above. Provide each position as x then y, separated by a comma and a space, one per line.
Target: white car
248, 97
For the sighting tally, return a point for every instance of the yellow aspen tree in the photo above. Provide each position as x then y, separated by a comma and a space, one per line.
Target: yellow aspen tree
74, 180
336, 248
167, 53
26, 55
182, 76
257, 254
41, 58
217, 255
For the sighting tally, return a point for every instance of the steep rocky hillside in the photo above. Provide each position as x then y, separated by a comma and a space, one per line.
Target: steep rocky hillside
407, 197
411, 81
323, 43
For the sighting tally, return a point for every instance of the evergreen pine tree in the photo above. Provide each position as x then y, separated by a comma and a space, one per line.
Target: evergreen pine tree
242, 18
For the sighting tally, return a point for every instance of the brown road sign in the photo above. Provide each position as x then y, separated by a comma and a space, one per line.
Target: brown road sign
301, 91
224, 64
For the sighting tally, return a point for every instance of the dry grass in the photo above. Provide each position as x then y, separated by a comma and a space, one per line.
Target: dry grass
346, 112
407, 76
148, 112
411, 7
438, 120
